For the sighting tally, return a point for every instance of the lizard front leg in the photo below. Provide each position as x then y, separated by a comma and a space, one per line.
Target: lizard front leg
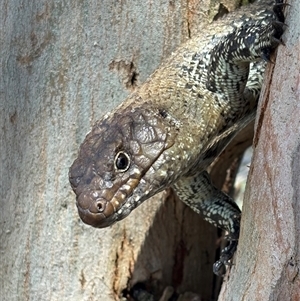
215, 206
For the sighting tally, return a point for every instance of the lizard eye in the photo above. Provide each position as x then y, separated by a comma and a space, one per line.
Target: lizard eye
122, 161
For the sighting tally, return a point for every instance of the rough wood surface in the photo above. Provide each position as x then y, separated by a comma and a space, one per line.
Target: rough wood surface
267, 264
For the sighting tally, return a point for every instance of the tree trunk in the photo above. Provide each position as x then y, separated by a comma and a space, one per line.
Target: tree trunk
268, 257
64, 64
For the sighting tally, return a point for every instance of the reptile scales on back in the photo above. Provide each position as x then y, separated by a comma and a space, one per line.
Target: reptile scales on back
171, 128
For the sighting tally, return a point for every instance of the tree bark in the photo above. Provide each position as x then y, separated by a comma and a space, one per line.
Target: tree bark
268, 258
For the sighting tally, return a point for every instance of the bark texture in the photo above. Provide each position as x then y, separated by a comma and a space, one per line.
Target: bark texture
268, 258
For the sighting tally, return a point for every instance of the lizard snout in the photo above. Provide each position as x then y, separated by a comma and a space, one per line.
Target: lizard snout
97, 212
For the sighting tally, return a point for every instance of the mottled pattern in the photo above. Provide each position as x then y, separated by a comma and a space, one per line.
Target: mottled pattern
171, 128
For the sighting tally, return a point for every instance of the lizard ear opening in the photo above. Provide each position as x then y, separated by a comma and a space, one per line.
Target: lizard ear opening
122, 161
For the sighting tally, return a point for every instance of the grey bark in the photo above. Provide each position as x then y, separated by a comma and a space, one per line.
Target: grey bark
268, 257
63, 65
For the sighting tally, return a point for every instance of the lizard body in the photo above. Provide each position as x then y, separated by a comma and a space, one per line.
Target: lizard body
171, 128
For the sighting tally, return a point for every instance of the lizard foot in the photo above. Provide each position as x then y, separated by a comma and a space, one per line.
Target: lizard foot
226, 254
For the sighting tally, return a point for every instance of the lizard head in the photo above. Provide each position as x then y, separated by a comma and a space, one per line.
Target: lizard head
115, 168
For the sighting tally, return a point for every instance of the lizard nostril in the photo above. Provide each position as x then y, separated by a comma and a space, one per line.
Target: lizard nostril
101, 205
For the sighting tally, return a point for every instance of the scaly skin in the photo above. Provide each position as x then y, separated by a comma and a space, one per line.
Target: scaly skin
170, 129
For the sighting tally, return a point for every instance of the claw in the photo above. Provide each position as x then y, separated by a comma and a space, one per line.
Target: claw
278, 41
280, 23
281, 5
277, 9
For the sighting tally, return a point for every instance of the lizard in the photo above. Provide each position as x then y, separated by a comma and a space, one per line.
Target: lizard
171, 128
